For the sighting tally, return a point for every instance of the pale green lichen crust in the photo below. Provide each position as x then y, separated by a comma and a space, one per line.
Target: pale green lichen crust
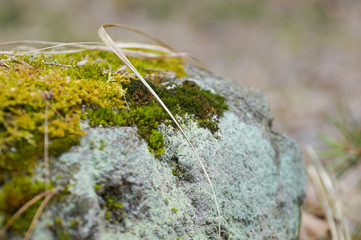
258, 200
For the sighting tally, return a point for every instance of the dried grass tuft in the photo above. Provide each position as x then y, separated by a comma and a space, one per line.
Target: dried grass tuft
328, 196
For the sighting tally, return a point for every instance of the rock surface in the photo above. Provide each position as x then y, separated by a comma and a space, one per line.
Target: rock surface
118, 190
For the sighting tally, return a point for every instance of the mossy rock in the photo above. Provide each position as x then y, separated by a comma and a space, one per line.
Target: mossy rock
121, 167
66, 90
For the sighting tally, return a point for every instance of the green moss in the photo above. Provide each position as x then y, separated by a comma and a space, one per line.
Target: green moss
58, 221
146, 114
112, 203
59, 227
146, 118
179, 171
74, 223
64, 236
102, 144
186, 98
114, 211
97, 187
107, 214
174, 210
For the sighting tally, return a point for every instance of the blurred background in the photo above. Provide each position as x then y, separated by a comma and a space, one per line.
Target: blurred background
304, 55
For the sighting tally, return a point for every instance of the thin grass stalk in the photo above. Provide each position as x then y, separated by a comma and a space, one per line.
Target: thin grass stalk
111, 44
90, 44
21, 211
38, 213
166, 53
46, 144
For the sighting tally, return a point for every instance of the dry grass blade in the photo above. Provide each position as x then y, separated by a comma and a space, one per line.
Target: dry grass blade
165, 52
328, 197
158, 41
89, 45
46, 143
3, 64
38, 213
109, 42
23, 209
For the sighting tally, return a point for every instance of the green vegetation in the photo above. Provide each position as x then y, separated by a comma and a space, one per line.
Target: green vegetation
342, 158
114, 211
58, 227
344, 151
146, 114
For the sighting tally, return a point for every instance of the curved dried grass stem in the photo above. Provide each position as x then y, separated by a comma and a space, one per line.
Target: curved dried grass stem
38, 213
111, 44
23, 209
165, 50
85, 46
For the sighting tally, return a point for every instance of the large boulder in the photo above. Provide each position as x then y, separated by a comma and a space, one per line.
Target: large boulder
117, 189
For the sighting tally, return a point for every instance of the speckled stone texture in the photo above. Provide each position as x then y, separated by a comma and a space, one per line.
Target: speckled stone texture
258, 176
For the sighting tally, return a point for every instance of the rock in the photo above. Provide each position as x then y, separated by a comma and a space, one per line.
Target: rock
117, 189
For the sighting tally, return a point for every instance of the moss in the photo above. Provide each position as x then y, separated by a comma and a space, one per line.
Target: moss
145, 67
102, 144
59, 227
114, 208
146, 118
112, 203
64, 236
174, 210
209, 124
186, 98
146, 114
58, 221
107, 214
156, 142
74, 223
180, 171
97, 187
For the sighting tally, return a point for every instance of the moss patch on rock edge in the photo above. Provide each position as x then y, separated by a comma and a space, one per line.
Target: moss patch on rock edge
82, 86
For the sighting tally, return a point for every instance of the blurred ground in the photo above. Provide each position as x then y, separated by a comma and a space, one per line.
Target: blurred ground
304, 55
